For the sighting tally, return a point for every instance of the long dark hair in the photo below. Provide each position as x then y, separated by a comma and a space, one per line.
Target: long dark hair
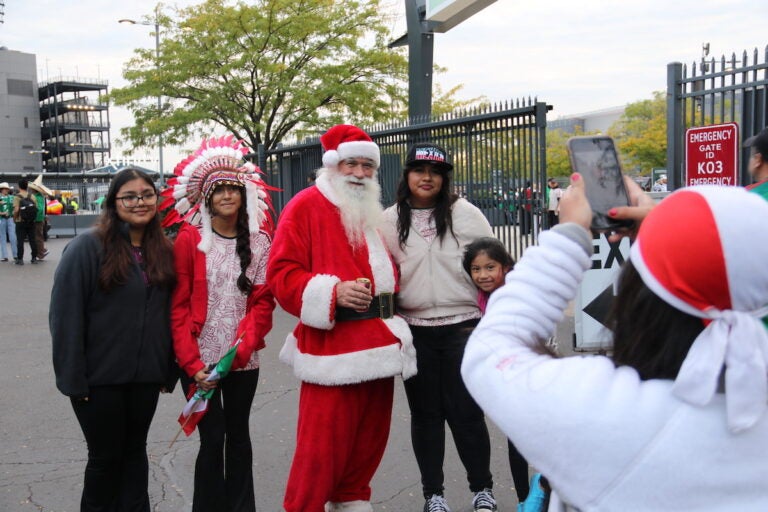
243, 245
442, 214
490, 246
113, 232
648, 334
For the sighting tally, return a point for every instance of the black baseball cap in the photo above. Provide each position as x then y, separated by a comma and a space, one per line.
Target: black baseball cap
428, 153
759, 142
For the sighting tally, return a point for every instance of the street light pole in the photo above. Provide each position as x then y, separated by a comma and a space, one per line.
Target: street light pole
159, 101
159, 96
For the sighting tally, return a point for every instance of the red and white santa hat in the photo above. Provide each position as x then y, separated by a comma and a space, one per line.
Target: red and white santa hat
345, 141
703, 250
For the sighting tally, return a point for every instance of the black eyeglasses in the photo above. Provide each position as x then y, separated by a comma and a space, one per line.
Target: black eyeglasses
132, 201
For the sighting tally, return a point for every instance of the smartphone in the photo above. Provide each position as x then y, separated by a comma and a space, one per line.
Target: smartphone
596, 160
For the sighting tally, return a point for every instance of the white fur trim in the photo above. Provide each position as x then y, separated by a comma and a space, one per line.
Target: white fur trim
384, 278
323, 184
349, 506
289, 350
206, 233
400, 329
358, 149
380, 262
331, 159
316, 302
341, 369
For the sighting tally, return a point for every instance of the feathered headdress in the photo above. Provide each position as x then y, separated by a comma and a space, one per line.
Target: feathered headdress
218, 161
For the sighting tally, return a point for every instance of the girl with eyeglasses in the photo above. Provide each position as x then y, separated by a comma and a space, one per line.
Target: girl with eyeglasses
112, 351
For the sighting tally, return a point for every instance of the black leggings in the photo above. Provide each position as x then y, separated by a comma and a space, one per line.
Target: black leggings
224, 469
519, 468
436, 395
115, 421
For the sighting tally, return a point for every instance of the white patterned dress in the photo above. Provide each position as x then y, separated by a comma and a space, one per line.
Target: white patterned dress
226, 303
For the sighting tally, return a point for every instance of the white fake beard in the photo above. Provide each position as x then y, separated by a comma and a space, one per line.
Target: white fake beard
359, 206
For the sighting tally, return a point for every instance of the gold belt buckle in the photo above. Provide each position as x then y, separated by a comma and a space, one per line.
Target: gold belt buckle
386, 305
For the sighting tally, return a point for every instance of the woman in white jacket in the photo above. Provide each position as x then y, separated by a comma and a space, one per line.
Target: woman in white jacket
675, 419
426, 232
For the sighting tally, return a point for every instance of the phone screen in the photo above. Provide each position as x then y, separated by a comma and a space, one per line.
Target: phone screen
595, 158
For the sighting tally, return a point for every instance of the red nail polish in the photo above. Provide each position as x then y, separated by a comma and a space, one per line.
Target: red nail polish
612, 212
575, 177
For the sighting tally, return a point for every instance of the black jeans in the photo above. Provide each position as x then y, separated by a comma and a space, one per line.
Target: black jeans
519, 468
436, 395
25, 230
115, 421
224, 469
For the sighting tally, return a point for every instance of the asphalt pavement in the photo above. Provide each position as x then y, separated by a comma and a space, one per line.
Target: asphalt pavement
43, 453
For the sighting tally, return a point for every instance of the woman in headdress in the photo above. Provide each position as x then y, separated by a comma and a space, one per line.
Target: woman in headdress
221, 297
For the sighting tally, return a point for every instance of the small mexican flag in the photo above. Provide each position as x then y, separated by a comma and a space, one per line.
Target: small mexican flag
197, 405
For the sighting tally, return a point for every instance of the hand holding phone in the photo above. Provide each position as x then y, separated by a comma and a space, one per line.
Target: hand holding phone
596, 160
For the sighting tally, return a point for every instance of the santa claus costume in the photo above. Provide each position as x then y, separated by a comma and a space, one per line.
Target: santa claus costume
346, 360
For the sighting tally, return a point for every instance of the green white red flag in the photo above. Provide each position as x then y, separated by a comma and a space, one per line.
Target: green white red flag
197, 405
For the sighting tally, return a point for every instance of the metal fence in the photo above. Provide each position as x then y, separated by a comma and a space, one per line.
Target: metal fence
715, 91
499, 157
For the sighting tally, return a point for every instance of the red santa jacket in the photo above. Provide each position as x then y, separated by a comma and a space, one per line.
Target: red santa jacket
309, 256
189, 307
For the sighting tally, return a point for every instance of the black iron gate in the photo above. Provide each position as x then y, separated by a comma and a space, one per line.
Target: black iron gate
713, 92
499, 156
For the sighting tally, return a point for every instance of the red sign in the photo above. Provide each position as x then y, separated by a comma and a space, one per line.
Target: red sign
711, 155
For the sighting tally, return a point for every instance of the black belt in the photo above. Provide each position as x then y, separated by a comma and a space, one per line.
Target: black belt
382, 306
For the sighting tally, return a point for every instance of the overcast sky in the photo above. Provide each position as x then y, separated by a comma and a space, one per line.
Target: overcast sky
576, 56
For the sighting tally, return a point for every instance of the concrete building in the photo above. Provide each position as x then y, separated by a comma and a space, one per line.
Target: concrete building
19, 113
595, 121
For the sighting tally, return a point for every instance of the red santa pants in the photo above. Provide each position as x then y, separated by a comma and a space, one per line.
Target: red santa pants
341, 436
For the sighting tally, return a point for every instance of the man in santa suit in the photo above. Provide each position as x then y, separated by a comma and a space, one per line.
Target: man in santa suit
329, 267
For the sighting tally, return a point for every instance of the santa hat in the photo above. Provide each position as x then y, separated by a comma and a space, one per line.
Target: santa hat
217, 162
345, 141
703, 250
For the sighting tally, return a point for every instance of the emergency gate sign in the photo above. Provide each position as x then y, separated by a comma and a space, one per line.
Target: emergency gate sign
711, 155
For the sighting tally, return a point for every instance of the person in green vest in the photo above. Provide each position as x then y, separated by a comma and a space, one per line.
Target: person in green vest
7, 226
758, 162
40, 200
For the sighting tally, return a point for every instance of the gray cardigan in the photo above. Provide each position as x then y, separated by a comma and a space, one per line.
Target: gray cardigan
102, 338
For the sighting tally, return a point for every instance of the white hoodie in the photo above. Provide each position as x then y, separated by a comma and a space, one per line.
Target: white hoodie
606, 440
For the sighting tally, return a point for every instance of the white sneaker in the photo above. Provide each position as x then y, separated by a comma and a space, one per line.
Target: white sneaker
436, 503
484, 501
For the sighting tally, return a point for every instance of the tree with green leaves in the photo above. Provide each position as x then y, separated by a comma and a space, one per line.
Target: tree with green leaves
641, 134
262, 70
558, 162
